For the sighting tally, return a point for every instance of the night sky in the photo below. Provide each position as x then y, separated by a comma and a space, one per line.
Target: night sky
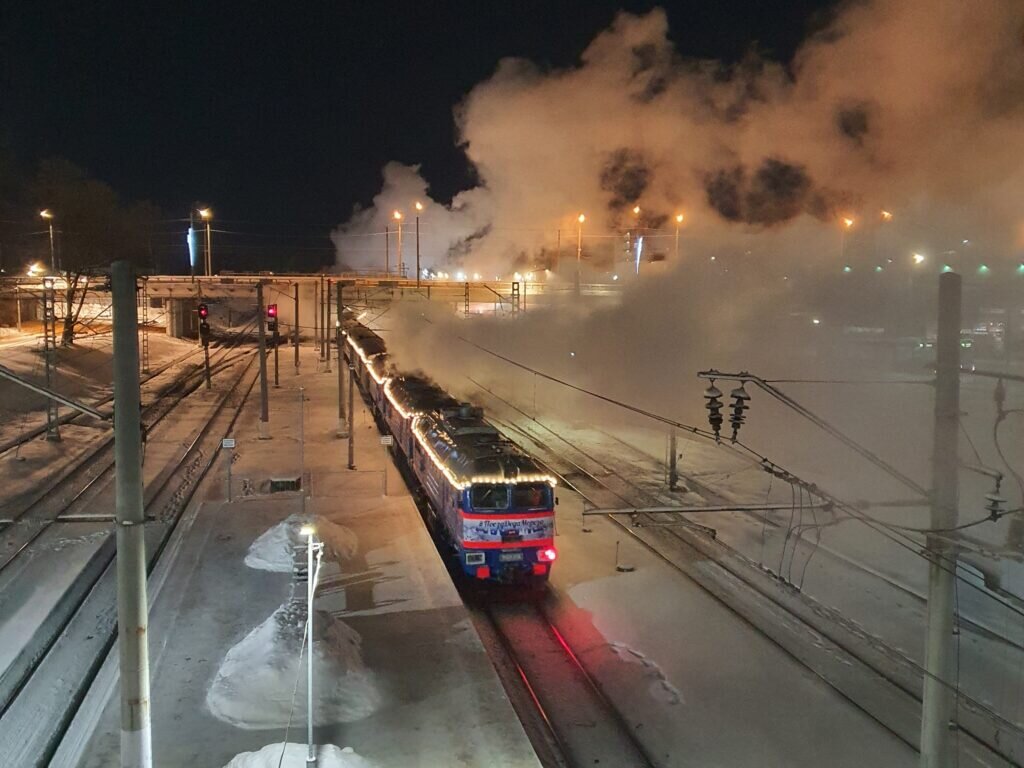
283, 115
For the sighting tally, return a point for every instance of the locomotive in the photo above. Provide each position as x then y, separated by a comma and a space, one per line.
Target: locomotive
493, 503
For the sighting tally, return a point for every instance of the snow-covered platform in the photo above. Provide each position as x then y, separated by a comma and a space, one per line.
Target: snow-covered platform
401, 676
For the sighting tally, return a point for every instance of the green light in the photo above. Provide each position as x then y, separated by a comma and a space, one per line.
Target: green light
1020, 268
847, 268
878, 268
946, 268
983, 270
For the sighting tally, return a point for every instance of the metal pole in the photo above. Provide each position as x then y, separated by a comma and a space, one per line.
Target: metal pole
673, 471
558, 249
387, 252
310, 756
17, 304
677, 243
579, 254
277, 378
296, 327
323, 320
264, 402
342, 424
352, 414
938, 702
53, 251
327, 322
132, 608
302, 451
209, 250
399, 254
231, 460
206, 362
417, 251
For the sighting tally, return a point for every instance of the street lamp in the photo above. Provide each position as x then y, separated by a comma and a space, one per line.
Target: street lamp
679, 221
847, 223
317, 548
48, 215
419, 210
398, 218
579, 248
206, 215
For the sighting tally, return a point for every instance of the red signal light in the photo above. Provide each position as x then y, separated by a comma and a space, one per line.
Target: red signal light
272, 310
547, 555
204, 311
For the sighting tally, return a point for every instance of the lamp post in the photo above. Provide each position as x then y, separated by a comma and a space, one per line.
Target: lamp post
312, 547
679, 220
48, 215
579, 248
847, 223
635, 237
419, 210
398, 218
206, 214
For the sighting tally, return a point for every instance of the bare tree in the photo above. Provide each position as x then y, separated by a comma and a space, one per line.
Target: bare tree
93, 226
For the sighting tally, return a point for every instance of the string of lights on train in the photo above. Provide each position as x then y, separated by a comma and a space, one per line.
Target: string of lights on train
417, 418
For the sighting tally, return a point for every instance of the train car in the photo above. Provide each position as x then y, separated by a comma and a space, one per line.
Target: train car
493, 502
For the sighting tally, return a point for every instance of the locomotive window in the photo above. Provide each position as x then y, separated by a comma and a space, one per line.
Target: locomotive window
531, 496
490, 497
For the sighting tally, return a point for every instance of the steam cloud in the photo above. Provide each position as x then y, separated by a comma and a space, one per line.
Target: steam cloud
912, 107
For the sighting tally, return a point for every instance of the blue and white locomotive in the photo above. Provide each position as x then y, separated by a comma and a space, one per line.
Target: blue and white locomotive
492, 501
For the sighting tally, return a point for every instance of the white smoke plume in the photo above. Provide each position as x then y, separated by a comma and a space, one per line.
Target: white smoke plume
912, 107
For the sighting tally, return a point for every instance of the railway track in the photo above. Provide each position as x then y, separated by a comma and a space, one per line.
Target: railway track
681, 544
46, 674
571, 722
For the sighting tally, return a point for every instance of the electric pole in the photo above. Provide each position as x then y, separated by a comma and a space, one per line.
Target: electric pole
264, 402
342, 425
351, 413
296, 327
938, 700
132, 606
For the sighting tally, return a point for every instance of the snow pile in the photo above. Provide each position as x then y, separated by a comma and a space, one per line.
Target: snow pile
660, 688
254, 686
327, 756
274, 550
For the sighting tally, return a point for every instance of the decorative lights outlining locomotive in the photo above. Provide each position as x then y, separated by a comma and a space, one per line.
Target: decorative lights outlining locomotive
493, 503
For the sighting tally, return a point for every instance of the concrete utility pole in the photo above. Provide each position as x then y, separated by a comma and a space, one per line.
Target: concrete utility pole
296, 327
264, 432
938, 701
342, 422
132, 607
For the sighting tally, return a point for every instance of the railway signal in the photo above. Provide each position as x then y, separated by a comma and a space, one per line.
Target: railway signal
204, 338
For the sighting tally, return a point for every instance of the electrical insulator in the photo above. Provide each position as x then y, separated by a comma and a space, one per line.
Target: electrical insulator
204, 311
994, 505
739, 405
713, 396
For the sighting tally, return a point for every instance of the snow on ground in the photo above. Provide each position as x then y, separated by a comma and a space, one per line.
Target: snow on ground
327, 756
261, 676
274, 549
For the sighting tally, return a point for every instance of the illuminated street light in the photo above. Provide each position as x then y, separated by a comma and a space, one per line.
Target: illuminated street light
419, 206
679, 220
48, 215
34, 269
886, 215
847, 223
206, 214
919, 258
397, 215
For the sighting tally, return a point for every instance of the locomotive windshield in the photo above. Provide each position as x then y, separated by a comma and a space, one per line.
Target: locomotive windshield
490, 497
520, 497
531, 496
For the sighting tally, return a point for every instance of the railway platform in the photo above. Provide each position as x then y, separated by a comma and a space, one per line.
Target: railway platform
401, 676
